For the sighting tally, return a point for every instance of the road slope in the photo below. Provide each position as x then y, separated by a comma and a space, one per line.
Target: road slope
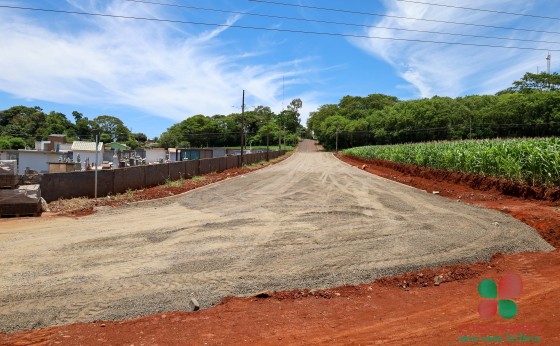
310, 221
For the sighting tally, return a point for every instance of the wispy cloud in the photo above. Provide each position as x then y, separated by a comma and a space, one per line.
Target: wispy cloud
454, 70
159, 68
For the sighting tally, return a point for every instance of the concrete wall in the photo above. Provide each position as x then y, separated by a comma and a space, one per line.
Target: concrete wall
156, 174
192, 168
128, 178
218, 152
153, 155
35, 160
77, 184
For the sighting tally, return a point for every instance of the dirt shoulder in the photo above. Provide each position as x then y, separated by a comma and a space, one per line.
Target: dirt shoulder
87, 206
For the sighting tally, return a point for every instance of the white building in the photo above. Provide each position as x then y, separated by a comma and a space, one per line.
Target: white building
86, 150
155, 155
33, 159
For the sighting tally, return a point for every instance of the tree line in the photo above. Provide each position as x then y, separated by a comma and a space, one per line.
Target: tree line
530, 108
256, 125
21, 126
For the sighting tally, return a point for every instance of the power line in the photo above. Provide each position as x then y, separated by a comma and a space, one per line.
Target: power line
460, 126
275, 29
400, 17
337, 23
481, 10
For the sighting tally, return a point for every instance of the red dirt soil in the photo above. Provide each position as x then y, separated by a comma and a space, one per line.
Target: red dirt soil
431, 306
376, 313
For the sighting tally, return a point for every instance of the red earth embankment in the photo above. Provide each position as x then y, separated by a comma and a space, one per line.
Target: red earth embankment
376, 313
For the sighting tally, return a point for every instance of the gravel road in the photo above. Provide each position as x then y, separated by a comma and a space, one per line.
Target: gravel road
310, 221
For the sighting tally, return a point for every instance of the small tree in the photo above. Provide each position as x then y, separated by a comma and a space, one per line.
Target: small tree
17, 143
4, 143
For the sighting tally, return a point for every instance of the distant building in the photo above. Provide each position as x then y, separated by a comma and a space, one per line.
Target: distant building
33, 160
193, 154
156, 155
86, 150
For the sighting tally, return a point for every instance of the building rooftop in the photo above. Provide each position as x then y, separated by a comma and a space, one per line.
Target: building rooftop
118, 146
86, 146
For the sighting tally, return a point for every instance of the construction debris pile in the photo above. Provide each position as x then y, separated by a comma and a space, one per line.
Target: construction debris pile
17, 200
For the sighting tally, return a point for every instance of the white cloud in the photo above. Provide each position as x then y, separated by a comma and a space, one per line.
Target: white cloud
454, 70
158, 68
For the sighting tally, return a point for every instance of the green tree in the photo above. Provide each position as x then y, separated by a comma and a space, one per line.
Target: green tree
140, 137
17, 143
77, 116
56, 123
112, 127
30, 119
4, 143
133, 144
291, 117
83, 129
14, 130
531, 82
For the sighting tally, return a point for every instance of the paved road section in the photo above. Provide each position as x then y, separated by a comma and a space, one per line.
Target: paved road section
310, 221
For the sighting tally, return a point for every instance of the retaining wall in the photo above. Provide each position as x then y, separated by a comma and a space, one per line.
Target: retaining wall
81, 184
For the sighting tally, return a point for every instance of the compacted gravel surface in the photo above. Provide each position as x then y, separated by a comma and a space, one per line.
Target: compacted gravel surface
310, 221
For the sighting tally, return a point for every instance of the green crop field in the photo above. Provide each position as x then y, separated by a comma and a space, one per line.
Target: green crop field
533, 161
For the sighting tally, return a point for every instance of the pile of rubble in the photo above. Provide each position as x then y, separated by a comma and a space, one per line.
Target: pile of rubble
18, 200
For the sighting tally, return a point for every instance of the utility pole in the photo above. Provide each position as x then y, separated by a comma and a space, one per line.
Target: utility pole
267, 136
96, 134
280, 132
242, 125
548, 59
282, 92
336, 147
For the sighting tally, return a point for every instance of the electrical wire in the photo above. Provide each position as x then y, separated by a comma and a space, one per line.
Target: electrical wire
462, 126
399, 17
275, 29
480, 10
337, 23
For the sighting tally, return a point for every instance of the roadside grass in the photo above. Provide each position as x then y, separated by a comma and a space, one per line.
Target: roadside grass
198, 178
174, 183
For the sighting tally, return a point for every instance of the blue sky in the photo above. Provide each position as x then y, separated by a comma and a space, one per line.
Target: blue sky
154, 74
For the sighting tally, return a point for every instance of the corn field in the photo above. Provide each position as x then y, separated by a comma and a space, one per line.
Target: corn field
532, 161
